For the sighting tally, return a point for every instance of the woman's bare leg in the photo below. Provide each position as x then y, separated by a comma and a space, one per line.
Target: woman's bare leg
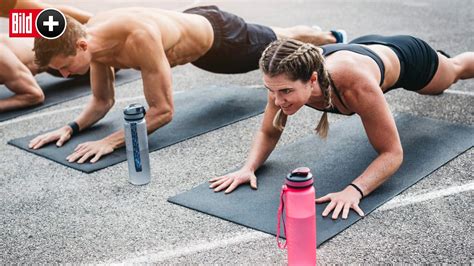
450, 70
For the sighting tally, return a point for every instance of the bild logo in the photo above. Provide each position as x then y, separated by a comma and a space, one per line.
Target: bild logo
48, 23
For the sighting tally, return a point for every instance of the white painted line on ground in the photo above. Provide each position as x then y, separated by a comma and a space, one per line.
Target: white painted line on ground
469, 93
196, 247
401, 201
62, 110
397, 202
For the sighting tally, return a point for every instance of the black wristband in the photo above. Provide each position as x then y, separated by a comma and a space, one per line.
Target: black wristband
358, 189
75, 128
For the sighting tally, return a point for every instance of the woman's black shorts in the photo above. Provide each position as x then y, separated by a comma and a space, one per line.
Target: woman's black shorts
418, 61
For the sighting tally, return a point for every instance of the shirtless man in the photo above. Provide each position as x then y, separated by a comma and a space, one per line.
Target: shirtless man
17, 66
152, 41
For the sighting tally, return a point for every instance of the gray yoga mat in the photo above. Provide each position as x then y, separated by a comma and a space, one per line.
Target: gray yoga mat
58, 90
196, 112
428, 144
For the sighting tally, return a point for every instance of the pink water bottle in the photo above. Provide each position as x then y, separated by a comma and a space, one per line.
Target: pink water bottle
299, 224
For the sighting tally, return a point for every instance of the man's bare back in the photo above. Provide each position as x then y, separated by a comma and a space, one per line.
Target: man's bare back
184, 37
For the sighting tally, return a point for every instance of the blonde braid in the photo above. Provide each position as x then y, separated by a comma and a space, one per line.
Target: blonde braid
279, 120
301, 51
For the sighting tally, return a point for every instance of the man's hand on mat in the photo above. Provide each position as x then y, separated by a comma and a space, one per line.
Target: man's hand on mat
233, 180
343, 201
61, 135
86, 150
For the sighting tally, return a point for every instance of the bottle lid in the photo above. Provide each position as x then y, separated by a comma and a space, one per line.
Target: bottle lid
133, 112
299, 178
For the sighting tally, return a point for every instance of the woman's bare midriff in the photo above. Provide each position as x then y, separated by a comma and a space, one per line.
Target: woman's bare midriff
391, 63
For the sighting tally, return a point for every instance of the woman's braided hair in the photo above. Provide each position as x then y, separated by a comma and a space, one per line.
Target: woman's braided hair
298, 61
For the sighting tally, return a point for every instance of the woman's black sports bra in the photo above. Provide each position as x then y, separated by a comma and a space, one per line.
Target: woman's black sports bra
356, 48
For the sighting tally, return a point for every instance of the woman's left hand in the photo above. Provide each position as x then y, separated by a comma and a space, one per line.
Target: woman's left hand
344, 200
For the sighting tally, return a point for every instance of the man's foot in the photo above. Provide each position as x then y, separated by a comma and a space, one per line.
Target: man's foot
340, 35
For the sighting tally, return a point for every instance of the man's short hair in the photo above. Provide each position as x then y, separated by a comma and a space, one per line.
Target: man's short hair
46, 49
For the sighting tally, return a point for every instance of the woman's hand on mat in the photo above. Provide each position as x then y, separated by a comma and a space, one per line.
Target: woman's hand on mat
94, 149
233, 180
60, 135
344, 200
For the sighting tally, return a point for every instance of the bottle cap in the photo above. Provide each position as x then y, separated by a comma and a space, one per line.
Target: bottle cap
299, 178
134, 112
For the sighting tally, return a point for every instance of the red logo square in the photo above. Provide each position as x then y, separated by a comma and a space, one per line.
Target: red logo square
22, 23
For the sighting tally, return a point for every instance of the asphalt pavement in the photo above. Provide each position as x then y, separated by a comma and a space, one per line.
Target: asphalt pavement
53, 214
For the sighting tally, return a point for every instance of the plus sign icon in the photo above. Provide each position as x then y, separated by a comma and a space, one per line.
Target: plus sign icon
51, 23
48, 23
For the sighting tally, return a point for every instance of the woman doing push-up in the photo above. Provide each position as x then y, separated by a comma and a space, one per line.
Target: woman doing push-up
347, 79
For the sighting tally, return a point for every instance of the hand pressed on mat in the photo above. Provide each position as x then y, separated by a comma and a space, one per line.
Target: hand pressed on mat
61, 135
95, 149
233, 180
344, 200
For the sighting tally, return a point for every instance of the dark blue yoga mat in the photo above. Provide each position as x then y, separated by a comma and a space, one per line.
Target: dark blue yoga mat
58, 90
428, 144
196, 112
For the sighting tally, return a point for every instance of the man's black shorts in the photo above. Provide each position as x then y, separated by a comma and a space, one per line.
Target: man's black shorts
237, 45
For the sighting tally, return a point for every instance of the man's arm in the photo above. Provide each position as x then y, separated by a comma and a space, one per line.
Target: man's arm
103, 93
102, 84
19, 80
146, 49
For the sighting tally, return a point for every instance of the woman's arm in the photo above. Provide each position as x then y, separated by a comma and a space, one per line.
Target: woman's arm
371, 106
264, 143
366, 99
266, 139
